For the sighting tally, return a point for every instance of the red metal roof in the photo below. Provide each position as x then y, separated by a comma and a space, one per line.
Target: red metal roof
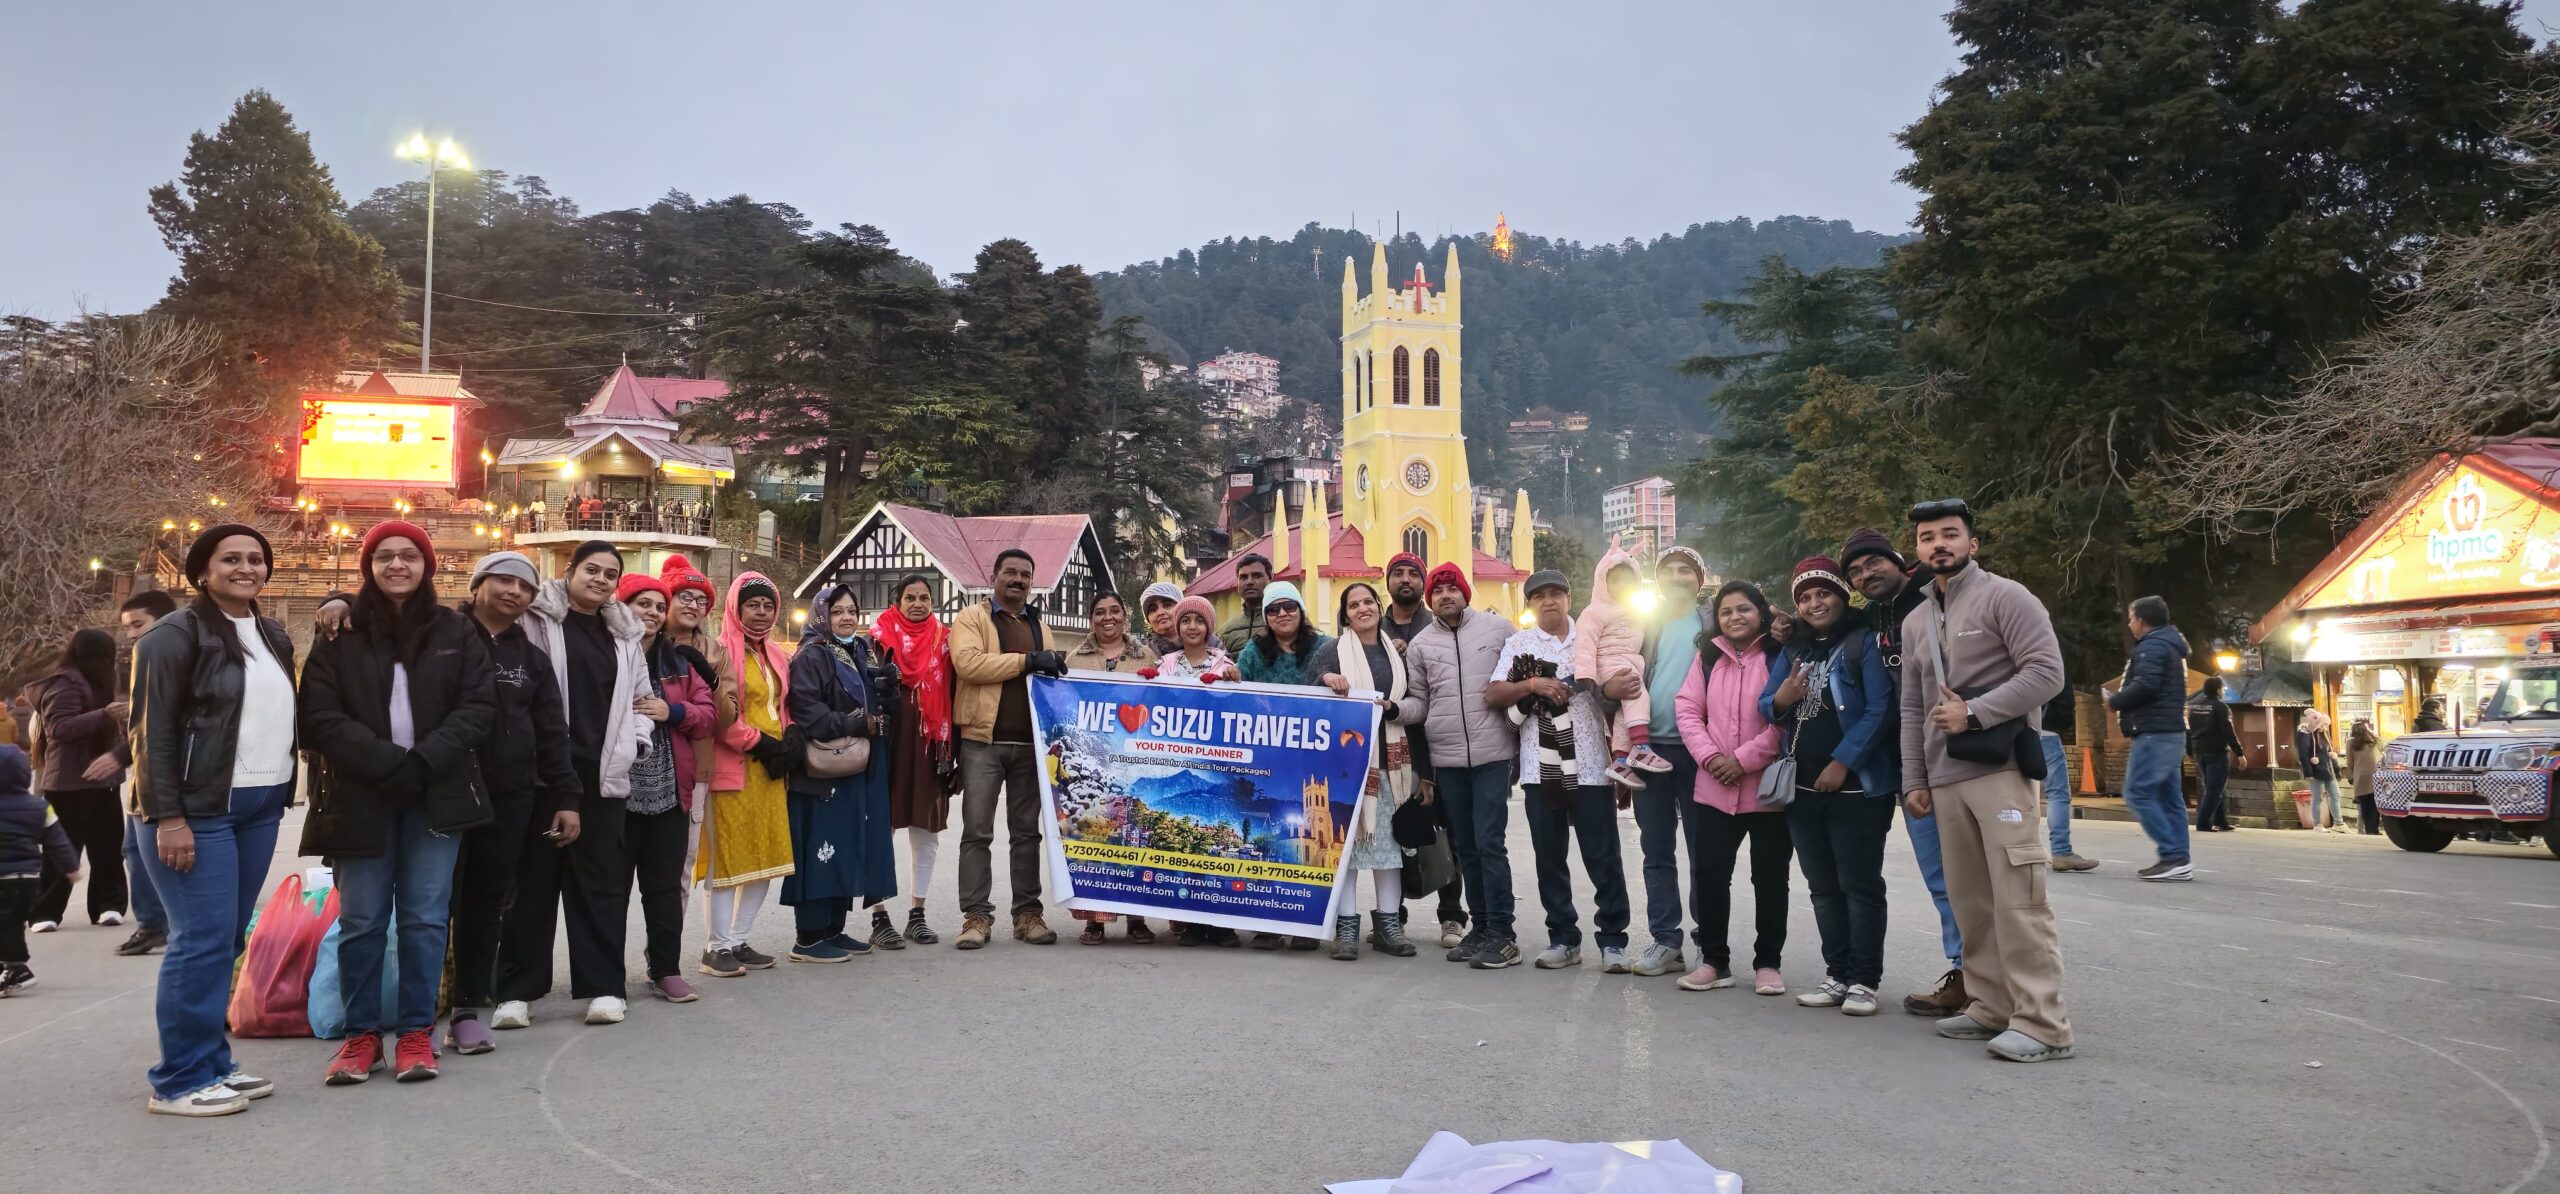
627, 395
966, 547
1346, 557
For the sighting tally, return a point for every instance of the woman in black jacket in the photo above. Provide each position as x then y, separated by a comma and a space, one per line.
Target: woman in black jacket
213, 730
840, 852
80, 775
399, 705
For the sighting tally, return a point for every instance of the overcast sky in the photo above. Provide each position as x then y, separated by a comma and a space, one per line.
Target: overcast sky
1103, 133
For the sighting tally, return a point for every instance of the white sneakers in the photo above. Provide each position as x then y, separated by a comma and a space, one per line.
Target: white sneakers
47, 926
511, 1014
249, 1085
110, 919
1860, 1001
603, 1009
216, 1099
606, 1009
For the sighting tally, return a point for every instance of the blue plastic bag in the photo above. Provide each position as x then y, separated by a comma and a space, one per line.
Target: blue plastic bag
328, 1009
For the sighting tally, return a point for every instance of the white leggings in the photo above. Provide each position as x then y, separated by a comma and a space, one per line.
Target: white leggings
733, 912
1388, 883
922, 845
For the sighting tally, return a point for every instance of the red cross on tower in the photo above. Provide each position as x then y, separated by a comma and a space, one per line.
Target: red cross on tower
1421, 286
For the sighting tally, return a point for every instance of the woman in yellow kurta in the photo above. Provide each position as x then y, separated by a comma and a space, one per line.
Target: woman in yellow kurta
746, 837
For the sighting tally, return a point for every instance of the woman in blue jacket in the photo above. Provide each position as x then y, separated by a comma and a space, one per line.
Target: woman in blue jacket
1830, 697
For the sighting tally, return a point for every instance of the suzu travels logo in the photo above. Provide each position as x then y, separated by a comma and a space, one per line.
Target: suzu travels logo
2463, 539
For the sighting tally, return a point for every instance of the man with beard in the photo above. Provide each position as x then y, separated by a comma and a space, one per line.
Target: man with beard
1253, 573
1893, 589
995, 649
1981, 656
1451, 664
1670, 651
1405, 618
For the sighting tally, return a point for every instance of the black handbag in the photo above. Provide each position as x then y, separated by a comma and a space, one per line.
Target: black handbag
332, 826
2009, 743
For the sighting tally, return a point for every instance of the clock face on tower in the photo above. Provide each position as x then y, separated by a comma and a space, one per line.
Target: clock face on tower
1417, 476
1361, 484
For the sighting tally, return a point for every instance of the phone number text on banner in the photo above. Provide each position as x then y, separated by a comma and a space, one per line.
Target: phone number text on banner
1228, 804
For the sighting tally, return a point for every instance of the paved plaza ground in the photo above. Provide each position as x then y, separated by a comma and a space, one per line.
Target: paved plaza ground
2427, 989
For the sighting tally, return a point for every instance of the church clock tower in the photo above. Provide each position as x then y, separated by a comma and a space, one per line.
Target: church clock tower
1404, 461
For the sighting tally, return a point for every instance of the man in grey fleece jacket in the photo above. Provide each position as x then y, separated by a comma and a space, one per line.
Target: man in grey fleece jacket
1986, 636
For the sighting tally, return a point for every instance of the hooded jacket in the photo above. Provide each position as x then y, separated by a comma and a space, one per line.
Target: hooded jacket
344, 708
628, 733
2153, 698
1606, 636
527, 750
1719, 713
30, 835
1447, 672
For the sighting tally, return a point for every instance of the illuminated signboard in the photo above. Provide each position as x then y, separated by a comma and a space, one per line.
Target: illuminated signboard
348, 439
2468, 535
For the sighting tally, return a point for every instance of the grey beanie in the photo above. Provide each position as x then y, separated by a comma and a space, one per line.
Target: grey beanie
506, 563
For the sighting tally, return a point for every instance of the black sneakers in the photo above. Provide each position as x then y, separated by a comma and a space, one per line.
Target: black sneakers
142, 942
2165, 871
753, 958
1494, 955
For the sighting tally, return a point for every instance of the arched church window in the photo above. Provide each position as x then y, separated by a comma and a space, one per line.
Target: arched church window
1417, 538
1431, 377
1403, 377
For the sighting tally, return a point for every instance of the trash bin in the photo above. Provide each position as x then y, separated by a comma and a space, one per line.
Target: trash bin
2302, 807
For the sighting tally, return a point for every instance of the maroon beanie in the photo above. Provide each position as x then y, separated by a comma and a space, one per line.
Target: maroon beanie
1817, 570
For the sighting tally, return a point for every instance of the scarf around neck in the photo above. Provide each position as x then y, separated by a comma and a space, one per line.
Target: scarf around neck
919, 651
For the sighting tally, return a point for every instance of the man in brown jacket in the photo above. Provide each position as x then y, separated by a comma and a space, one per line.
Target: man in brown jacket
1980, 652
995, 649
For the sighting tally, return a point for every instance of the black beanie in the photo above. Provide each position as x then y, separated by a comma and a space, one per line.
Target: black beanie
200, 553
592, 547
1868, 541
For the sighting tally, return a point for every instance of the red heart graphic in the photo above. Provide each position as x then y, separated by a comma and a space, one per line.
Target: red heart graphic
1132, 716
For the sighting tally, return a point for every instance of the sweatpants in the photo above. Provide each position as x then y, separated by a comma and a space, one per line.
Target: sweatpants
484, 884
655, 846
94, 820
1997, 860
587, 886
987, 768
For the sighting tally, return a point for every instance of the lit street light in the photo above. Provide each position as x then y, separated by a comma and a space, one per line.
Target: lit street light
443, 155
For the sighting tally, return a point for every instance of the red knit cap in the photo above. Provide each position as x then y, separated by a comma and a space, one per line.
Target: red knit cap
1448, 574
680, 574
636, 583
389, 530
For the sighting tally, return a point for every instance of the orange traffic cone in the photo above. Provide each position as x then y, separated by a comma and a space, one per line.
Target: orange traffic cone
2088, 772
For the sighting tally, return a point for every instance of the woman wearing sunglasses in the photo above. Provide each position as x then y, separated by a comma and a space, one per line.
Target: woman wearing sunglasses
1110, 649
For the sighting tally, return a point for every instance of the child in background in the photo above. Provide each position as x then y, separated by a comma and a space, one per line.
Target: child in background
29, 834
1609, 643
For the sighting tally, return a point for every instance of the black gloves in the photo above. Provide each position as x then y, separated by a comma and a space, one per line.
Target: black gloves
772, 752
1048, 663
411, 777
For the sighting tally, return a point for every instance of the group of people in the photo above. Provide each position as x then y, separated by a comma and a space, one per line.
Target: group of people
486, 773
590, 512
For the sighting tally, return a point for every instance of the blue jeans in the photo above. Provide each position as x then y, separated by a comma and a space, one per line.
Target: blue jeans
1933, 875
413, 878
209, 906
1660, 808
1479, 799
2057, 795
2324, 794
2151, 786
1839, 840
139, 839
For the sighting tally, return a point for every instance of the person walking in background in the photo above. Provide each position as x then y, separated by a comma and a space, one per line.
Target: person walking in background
658, 815
1986, 636
1723, 728
1363, 659
1609, 644
1828, 695
78, 771
922, 767
1253, 573
2150, 705
135, 617
1665, 811
399, 704
212, 740
533, 790
1282, 652
2059, 716
746, 837
2364, 751
2319, 760
1405, 617
2217, 749
996, 647
31, 835
1564, 772
1451, 664
841, 853
1109, 648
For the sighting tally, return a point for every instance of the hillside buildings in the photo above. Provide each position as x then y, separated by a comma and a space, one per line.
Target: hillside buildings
1641, 515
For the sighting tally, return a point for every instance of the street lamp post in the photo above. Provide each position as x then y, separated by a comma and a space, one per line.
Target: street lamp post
443, 155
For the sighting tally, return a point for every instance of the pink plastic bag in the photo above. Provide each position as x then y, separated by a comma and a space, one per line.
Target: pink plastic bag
273, 991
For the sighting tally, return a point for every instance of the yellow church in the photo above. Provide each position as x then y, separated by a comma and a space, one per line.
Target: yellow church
1404, 482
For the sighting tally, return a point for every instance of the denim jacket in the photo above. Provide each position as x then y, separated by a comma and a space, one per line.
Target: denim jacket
1864, 695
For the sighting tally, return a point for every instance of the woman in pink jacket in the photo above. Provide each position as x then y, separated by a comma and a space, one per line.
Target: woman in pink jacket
1719, 714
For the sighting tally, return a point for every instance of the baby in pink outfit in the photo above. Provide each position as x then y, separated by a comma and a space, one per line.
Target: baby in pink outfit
1608, 643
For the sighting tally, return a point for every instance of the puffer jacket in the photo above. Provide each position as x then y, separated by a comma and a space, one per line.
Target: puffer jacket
345, 717
980, 666
2153, 699
30, 835
824, 707
1448, 670
629, 732
188, 676
1719, 714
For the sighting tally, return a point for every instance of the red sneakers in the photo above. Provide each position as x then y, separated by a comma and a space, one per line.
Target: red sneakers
413, 1059
356, 1060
